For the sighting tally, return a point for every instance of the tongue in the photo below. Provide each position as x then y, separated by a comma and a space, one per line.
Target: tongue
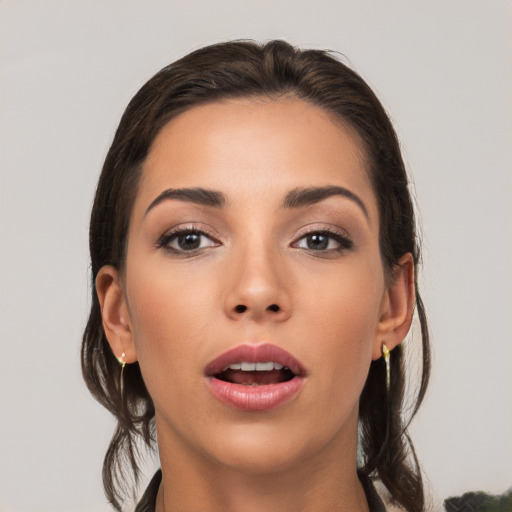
254, 378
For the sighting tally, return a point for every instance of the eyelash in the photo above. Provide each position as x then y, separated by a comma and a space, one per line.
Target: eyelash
165, 240
343, 241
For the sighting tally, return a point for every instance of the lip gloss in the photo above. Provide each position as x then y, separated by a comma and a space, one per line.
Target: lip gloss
257, 397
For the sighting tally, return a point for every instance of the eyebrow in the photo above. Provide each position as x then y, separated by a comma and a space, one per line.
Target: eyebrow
296, 198
299, 197
201, 196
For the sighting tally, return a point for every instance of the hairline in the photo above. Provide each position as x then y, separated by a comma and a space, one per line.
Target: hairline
137, 173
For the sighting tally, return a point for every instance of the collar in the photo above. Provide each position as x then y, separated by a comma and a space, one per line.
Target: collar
148, 500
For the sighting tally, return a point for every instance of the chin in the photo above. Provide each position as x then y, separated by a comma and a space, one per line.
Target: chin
265, 461
261, 449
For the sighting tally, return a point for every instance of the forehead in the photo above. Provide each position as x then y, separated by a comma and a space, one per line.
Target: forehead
248, 145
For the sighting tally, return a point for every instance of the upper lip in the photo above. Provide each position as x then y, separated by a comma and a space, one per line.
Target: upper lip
253, 353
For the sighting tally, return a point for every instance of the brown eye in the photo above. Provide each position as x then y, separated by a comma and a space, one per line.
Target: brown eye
186, 240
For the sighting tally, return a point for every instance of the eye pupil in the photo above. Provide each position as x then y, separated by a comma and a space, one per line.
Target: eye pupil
189, 241
317, 241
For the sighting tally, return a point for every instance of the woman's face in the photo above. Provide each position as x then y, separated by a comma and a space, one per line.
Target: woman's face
254, 238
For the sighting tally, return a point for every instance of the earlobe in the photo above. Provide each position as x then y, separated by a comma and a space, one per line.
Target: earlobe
397, 307
115, 315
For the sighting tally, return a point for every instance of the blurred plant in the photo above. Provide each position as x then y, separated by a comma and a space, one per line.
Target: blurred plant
480, 502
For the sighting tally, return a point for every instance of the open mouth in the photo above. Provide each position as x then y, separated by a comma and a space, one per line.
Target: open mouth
255, 374
255, 377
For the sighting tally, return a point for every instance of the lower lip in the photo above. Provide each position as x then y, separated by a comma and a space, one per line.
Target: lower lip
255, 398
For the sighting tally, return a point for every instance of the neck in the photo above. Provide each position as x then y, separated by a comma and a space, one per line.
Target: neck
326, 481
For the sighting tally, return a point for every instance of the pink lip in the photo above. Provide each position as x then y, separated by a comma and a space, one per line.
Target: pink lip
255, 398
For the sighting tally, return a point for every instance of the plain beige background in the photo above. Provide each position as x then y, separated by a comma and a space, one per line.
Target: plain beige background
68, 69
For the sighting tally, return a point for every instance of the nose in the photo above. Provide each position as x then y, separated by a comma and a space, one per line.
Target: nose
258, 289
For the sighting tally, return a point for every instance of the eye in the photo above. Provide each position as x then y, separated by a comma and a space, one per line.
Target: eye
186, 240
323, 241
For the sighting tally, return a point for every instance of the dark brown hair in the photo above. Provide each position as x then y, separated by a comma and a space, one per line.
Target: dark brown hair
247, 69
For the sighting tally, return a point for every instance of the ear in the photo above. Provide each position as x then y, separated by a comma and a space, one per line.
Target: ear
397, 307
115, 315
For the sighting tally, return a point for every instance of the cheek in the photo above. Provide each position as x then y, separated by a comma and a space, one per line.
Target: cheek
342, 315
171, 317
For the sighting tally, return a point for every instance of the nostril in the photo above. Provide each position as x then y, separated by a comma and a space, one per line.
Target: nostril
240, 308
274, 307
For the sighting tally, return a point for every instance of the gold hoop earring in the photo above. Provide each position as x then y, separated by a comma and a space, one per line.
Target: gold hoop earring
386, 355
122, 362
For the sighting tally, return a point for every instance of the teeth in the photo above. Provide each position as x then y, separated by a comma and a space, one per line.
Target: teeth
258, 367
264, 367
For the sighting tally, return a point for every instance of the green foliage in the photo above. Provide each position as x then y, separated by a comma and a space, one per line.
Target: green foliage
480, 502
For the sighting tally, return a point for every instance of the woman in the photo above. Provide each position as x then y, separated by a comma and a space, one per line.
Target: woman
254, 263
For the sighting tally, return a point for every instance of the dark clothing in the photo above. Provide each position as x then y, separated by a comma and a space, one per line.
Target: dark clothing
148, 501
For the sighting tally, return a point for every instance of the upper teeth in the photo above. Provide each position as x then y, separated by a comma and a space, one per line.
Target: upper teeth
258, 367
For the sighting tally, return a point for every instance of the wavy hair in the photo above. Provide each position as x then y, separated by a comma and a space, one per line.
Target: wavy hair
248, 69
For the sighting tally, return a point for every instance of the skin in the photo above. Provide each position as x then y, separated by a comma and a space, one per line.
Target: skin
175, 311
